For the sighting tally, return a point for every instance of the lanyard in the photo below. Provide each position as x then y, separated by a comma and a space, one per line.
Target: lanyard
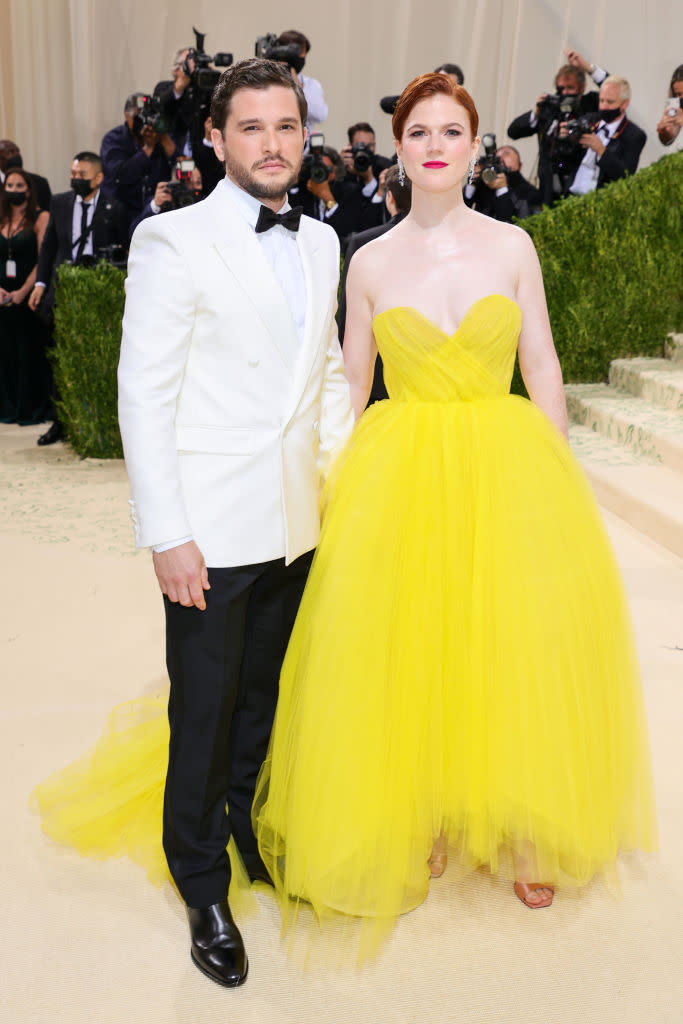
12, 234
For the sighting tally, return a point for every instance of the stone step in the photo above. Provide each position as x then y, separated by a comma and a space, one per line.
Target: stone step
635, 487
674, 348
630, 421
659, 381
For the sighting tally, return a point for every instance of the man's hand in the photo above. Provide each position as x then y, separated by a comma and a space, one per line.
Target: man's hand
162, 193
577, 61
182, 574
347, 157
537, 108
148, 139
36, 296
591, 141
500, 181
322, 191
382, 184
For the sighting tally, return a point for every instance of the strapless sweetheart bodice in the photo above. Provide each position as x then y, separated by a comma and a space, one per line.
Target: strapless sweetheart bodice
423, 363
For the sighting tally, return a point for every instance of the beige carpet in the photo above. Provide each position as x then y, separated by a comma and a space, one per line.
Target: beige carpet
82, 630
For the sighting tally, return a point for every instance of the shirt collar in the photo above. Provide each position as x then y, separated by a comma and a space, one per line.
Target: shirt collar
249, 206
79, 199
612, 126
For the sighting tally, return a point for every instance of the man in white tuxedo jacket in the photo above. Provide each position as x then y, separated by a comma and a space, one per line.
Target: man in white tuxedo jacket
232, 405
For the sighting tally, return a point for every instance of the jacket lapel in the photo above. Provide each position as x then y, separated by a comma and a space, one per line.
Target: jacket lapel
241, 253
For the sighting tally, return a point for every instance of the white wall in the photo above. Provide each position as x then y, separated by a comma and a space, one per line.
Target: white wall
66, 66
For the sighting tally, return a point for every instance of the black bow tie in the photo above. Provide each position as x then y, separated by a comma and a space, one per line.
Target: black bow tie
267, 219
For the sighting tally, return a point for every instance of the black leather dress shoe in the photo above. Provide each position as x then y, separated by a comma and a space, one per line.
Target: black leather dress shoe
217, 947
52, 434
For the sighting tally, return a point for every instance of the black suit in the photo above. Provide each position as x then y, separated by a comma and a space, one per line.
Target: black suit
520, 200
108, 228
622, 153
378, 390
348, 216
555, 171
130, 175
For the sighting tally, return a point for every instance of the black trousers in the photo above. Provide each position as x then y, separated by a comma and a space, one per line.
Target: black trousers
224, 665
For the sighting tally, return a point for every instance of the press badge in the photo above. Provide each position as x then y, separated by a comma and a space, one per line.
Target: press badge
11, 268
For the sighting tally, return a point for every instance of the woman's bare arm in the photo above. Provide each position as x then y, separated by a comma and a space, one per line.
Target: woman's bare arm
537, 356
360, 349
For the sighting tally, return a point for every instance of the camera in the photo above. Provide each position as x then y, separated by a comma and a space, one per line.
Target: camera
673, 105
388, 103
268, 48
575, 128
314, 167
559, 107
149, 113
180, 186
204, 77
491, 164
362, 157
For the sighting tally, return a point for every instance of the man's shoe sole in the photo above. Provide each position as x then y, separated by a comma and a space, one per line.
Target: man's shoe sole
225, 984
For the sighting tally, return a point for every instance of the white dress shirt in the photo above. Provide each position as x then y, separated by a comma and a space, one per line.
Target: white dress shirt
282, 252
76, 225
586, 177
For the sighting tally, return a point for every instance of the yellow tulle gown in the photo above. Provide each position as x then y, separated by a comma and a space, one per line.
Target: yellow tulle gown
462, 663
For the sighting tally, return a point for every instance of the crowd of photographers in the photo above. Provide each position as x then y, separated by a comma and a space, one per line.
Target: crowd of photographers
161, 157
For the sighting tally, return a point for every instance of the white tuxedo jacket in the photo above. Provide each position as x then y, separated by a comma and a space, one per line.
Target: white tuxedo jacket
226, 438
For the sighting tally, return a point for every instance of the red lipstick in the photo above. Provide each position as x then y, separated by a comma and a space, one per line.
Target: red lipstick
435, 163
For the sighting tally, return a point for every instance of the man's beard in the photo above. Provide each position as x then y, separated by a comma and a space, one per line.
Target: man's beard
259, 190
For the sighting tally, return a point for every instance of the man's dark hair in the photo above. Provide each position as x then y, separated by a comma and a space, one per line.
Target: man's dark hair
401, 193
578, 73
451, 69
676, 77
362, 126
293, 38
253, 73
91, 158
32, 210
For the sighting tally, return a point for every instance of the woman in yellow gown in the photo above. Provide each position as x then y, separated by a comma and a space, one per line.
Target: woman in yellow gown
462, 673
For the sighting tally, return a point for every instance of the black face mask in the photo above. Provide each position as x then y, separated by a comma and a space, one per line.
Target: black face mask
81, 186
16, 198
610, 115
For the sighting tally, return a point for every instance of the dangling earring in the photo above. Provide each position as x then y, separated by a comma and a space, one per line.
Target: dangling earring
470, 176
401, 173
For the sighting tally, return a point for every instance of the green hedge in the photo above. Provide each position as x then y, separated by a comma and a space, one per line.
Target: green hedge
612, 271
88, 312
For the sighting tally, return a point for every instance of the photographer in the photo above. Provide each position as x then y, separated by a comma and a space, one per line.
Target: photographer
499, 189
184, 189
613, 148
136, 157
671, 122
83, 222
557, 165
313, 90
362, 163
323, 193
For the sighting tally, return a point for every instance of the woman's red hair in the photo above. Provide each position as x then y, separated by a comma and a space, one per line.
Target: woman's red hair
422, 88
